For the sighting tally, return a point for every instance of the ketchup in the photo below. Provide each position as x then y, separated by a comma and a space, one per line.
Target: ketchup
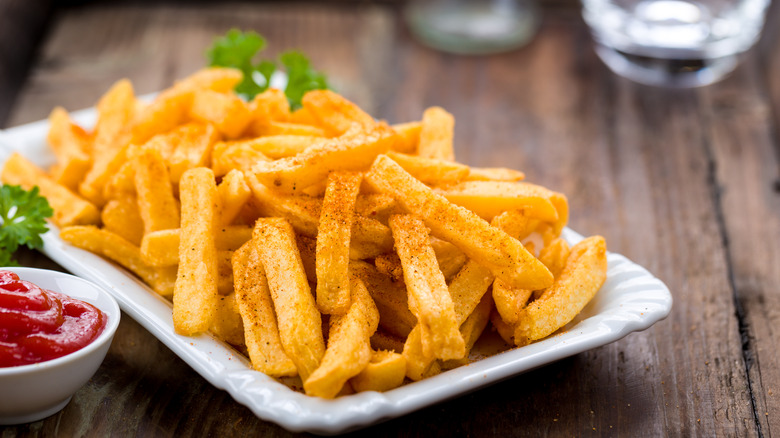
37, 325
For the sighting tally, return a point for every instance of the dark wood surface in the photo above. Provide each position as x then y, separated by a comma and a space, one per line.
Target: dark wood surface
684, 182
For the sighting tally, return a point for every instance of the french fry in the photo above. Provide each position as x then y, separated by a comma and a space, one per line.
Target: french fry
229, 156
275, 128
472, 329
350, 153
233, 194
257, 312
280, 146
408, 137
504, 256
349, 347
335, 113
190, 146
195, 294
494, 174
382, 340
583, 275
300, 324
385, 370
161, 248
227, 112
377, 206
554, 256
121, 217
389, 297
114, 247
70, 144
431, 171
228, 325
69, 208
156, 204
333, 239
429, 298
104, 166
491, 198
224, 272
436, 134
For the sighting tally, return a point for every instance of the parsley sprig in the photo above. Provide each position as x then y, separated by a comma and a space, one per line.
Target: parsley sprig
23, 216
238, 49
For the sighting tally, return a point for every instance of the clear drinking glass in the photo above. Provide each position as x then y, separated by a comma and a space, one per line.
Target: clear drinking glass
675, 43
473, 26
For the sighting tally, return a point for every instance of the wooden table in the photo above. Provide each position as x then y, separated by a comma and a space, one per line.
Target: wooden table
684, 182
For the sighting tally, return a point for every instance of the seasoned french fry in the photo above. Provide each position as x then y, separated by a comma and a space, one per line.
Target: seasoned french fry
227, 112
257, 312
333, 239
436, 134
385, 341
335, 113
554, 256
228, 325
386, 370
389, 297
70, 144
161, 248
409, 137
472, 329
349, 347
300, 324
280, 146
490, 198
233, 193
515, 223
431, 171
377, 206
195, 294
190, 146
69, 208
504, 256
228, 156
274, 128
121, 217
350, 152
494, 174
585, 272
156, 204
225, 272
267, 107
427, 289
114, 247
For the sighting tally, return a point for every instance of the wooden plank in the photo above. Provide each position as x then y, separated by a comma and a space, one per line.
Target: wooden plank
636, 163
746, 166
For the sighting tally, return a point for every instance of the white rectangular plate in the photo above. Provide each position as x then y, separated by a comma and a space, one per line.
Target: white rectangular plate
631, 300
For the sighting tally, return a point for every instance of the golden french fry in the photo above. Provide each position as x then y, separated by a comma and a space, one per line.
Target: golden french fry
267, 107
257, 312
386, 370
408, 137
225, 272
554, 256
431, 171
233, 194
494, 174
333, 239
389, 297
436, 134
104, 166
491, 198
69, 208
114, 247
377, 206
280, 146
121, 217
156, 204
472, 329
385, 341
449, 257
583, 275
229, 156
300, 324
70, 144
349, 347
427, 289
516, 223
227, 112
161, 248
274, 128
349, 152
228, 325
506, 257
505, 330
190, 146
195, 294
335, 113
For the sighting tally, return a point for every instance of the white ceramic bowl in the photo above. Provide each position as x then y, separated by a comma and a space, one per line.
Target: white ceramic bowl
33, 392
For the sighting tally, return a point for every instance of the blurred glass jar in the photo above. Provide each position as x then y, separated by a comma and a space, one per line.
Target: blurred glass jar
473, 26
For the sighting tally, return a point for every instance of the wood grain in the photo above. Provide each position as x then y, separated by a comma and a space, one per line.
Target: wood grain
680, 181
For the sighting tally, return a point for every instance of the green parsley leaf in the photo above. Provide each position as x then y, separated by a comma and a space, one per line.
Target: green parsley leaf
22, 220
238, 49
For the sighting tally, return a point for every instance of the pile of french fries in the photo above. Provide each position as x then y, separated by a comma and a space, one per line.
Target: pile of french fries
321, 242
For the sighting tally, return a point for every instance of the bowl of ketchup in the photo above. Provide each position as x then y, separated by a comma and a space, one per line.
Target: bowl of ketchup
55, 330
